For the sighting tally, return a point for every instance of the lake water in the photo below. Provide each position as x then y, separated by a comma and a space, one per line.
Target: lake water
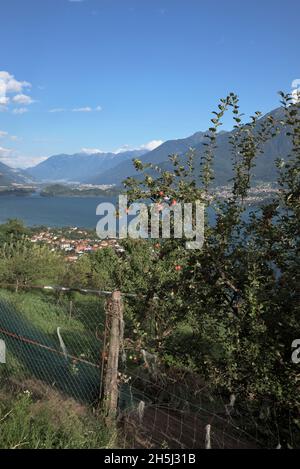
51, 211
59, 211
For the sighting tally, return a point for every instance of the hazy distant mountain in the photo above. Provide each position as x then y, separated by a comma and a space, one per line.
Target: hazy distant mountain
80, 167
156, 156
265, 170
10, 176
111, 168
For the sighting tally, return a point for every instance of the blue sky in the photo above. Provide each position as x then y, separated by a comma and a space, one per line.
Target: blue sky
130, 72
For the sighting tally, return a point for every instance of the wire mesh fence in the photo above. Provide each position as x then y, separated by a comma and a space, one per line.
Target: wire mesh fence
54, 338
62, 339
175, 409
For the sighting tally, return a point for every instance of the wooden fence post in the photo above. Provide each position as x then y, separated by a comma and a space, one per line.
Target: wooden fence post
111, 390
70, 309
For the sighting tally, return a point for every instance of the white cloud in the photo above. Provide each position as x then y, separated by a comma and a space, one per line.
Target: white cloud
2, 88
10, 86
4, 100
146, 146
20, 110
29, 161
57, 109
5, 153
22, 99
15, 159
77, 109
124, 148
14, 138
83, 109
91, 151
151, 145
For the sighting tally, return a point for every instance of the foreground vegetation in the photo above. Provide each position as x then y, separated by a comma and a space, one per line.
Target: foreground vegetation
228, 312
41, 420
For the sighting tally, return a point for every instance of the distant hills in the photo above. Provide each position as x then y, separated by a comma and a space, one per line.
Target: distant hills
156, 156
113, 168
265, 170
9, 176
80, 167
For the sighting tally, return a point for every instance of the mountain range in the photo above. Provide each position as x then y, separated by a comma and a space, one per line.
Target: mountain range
10, 176
264, 171
113, 168
80, 167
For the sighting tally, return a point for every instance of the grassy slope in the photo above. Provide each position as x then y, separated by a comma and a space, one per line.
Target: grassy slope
58, 415
51, 421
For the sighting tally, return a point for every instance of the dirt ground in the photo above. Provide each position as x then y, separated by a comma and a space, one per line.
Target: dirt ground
165, 428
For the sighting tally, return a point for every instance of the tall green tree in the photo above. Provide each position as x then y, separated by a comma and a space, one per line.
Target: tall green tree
239, 294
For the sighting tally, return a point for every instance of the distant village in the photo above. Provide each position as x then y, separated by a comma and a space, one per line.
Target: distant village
74, 242
257, 195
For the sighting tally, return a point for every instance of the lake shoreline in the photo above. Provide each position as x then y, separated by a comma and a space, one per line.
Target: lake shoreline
35, 210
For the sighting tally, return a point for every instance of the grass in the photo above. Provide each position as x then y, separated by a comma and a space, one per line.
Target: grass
28, 421
35, 317
46, 312
51, 408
